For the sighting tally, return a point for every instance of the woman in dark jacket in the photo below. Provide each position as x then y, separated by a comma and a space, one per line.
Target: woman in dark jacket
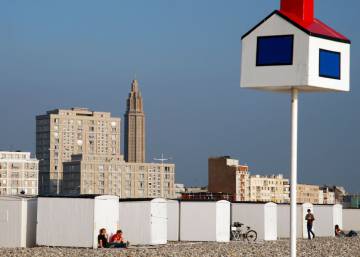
103, 239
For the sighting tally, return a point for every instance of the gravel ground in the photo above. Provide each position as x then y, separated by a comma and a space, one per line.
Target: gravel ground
326, 247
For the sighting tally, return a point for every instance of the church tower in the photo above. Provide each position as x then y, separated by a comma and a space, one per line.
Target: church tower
134, 126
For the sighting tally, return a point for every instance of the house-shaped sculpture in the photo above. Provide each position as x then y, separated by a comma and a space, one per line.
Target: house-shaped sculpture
291, 48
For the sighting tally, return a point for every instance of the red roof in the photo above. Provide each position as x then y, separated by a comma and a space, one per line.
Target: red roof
315, 27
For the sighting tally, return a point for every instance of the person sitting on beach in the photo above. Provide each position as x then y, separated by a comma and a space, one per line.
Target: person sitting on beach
118, 241
103, 239
340, 233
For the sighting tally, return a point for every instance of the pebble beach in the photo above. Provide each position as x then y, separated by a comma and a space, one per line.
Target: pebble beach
326, 247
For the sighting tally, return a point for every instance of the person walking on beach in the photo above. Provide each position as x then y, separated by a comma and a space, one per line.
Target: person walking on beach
310, 219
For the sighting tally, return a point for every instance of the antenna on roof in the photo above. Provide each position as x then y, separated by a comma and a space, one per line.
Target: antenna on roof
162, 159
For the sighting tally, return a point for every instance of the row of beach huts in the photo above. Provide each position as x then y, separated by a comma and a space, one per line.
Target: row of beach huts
76, 221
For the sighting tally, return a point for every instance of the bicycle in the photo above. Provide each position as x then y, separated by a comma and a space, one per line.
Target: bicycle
239, 233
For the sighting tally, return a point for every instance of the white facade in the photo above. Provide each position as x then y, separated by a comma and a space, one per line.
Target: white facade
326, 217
173, 220
260, 217
321, 197
17, 221
144, 222
283, 225
18, 173
314, 80
205, 221
269, 189
351, 219
75, 222
303, 73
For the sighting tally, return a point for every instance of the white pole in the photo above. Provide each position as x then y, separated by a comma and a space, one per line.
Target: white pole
294, 132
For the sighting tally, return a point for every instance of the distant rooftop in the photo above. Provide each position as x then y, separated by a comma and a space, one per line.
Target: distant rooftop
17, 155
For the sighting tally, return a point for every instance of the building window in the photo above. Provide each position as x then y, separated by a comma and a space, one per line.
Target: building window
275, 50
329, 64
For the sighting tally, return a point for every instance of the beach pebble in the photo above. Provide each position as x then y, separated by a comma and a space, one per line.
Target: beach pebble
319, 247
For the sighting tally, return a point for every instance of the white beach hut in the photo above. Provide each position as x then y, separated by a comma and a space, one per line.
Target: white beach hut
351, 219
326, 217
283, 225
75, 221
173, 221
261, 217
17, 221
144, 221
284, 220
205, 221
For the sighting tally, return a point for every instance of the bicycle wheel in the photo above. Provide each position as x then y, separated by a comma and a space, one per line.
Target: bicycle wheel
251, 236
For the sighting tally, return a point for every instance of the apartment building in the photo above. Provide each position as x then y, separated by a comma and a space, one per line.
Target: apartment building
308, 194
61, 133
352, 201
333, 194
226, 175
18, 173
179, 189
110, 174
327, 195
269, 189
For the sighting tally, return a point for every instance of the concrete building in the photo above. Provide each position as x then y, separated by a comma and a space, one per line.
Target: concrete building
308, 194
352, 201
179, 189
198, 193
226, 175
61, 133
269, 189
18, 173
327, 195
110, 174
195, 189
207, 196
134, 126
333, 194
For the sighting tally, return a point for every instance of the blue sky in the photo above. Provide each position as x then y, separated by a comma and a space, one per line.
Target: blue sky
186, 56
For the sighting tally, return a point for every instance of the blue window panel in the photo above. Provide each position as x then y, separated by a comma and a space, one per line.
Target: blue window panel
275, 50
330, 63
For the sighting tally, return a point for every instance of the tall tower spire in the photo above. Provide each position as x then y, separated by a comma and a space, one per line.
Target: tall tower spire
134, 126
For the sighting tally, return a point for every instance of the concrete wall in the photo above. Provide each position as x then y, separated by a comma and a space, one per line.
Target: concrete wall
144, 222
326, 217
173, 220
351, 219
65, 222
17, 221
75, 222
260, 217
31, 217
283, 225
199, 221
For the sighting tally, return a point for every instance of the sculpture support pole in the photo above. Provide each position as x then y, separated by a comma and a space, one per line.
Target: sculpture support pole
293, 184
